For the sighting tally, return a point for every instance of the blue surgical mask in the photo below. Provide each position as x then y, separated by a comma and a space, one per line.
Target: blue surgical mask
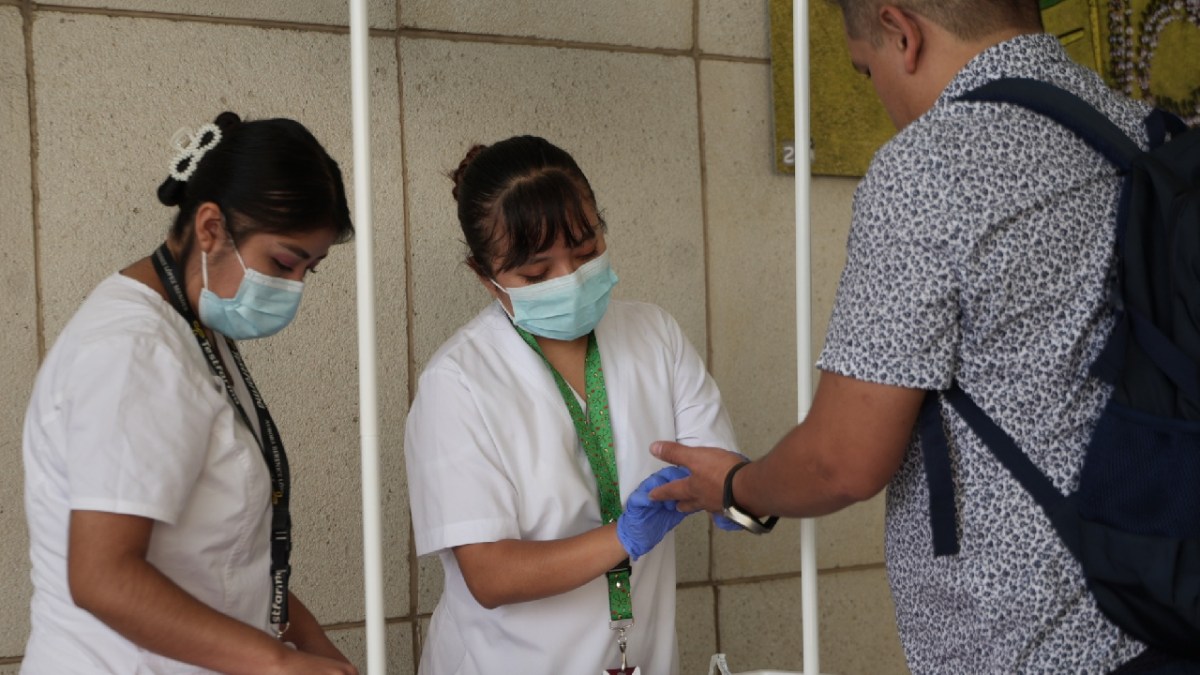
262, 306
566, 307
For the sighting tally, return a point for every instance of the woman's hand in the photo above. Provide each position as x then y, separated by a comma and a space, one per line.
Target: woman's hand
307, 635
303, 663
645, 522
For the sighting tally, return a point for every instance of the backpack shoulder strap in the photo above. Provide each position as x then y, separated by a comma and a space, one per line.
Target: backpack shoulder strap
938, 473
1065, 108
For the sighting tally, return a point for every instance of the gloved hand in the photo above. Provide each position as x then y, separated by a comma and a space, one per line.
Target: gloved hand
726, 524
645, 522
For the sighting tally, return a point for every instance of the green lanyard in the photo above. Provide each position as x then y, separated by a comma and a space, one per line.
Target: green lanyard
596, 436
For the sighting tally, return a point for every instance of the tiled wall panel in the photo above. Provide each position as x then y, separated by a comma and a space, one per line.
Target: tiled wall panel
110, 96
735, 28
18, 317
639, 23
398, 647
695, 624
628, 119
751, 279
380, 13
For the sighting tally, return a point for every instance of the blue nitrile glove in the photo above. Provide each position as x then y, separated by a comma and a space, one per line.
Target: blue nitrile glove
645, 522
724, 523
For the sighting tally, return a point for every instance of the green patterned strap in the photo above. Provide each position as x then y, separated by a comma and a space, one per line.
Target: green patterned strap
595, 435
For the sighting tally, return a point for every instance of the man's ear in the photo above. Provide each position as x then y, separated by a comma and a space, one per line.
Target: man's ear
209, 227
902, 32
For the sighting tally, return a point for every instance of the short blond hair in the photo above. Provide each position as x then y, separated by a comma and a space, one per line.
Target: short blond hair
965, 19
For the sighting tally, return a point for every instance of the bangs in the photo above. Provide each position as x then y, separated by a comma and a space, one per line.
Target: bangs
535, 212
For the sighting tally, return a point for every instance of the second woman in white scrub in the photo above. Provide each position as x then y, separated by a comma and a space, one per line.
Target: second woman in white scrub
527, 444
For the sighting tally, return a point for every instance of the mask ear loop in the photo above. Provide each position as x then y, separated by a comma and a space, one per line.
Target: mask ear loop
504, 291
204, 260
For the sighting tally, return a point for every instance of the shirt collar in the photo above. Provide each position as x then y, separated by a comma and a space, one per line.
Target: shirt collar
1029, 55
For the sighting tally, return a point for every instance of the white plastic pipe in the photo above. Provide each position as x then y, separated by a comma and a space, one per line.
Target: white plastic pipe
803, 166
368, 400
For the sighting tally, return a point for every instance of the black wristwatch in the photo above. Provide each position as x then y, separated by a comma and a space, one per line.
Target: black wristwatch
739, 515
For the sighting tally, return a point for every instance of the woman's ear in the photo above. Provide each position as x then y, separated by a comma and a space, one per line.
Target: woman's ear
484, 278
209, 226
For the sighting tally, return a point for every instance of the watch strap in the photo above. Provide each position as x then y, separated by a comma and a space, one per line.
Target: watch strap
739, 515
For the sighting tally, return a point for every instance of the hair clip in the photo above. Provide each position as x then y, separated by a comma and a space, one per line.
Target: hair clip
189, 154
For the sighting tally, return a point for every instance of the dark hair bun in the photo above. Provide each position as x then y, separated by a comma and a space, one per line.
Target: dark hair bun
227, 120
461, 171
171, 192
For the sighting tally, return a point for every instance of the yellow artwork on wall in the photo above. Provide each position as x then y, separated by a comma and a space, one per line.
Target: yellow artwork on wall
1149, 49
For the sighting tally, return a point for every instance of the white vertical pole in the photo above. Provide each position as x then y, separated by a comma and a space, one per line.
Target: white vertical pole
808, 526
367, 394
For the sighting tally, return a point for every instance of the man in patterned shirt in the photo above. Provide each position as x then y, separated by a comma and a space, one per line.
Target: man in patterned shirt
980, 252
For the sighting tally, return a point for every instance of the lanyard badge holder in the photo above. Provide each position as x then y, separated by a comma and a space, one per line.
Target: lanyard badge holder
596, 437
621, 613
269, 442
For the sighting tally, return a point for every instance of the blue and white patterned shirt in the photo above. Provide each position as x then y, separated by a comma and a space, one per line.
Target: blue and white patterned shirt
980, 252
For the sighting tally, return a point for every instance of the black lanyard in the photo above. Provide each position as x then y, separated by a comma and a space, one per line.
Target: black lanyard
268, 438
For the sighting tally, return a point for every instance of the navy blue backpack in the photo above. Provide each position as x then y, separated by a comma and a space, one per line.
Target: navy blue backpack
1134, 522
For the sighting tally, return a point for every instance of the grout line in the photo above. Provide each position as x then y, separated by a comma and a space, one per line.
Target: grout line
708, 348
218, 20
452, 36
781, 576
35, 191
716, 609
416, 33
414, 565
707, 249
708, 321
707, 56
351, 625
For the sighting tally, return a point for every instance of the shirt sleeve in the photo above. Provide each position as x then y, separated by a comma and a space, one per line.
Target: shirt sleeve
895, 318
137, 429
700, 416
459, 491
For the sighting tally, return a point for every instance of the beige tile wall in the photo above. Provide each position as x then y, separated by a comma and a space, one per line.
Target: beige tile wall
18, 315
664, 103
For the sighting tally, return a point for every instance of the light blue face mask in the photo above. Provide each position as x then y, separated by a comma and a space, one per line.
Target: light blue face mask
566, 307
262, 306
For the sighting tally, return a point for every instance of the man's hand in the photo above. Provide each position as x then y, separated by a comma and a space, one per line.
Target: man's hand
704, 488
645, 522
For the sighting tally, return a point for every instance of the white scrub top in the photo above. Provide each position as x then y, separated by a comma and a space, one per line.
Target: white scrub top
126, 417
492, 454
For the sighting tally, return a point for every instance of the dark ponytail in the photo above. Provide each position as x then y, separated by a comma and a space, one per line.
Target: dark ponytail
267, 176
524, 192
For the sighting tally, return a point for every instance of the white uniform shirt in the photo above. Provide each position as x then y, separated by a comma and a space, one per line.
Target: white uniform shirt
492, 454
126, 417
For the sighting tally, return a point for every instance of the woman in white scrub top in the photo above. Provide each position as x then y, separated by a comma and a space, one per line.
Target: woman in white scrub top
156, 482
518, 421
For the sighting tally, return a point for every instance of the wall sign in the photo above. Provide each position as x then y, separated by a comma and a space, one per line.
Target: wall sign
1149, 49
